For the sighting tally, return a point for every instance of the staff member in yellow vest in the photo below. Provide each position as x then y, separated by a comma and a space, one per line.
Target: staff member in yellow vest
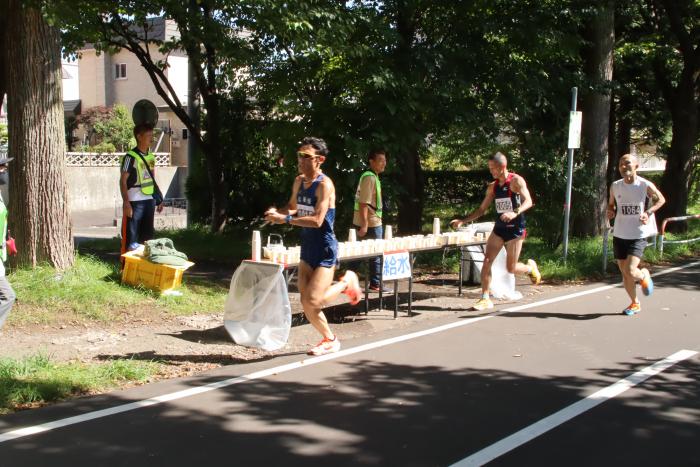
7, 295
367, 215
137, 188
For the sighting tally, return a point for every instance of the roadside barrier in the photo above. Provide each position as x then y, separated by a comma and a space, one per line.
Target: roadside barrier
662, 235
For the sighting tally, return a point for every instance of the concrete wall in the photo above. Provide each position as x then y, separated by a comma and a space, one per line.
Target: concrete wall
91, 188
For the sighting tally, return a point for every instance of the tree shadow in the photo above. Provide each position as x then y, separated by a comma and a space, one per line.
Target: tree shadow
569, 316
370, 412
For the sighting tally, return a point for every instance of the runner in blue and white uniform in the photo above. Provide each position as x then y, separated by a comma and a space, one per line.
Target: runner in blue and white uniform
633, 224
511, 198
312, 207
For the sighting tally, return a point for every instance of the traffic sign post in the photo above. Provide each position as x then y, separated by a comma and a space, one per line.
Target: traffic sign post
575, 119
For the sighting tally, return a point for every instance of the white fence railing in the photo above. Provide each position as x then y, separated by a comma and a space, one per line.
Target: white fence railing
111, 159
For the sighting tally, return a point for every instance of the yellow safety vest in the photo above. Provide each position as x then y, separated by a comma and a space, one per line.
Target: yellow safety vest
378, 190
143, 178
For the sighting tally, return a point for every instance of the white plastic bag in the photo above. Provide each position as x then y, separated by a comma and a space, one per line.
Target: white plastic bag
502, 282
257, 312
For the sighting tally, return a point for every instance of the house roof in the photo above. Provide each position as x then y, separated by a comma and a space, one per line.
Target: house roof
156, 29
71, 108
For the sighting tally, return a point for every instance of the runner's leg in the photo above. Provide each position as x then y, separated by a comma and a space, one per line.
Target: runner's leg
312, 298
334, 291
633, 264
303, 277
628, 281
493, 246
513, 248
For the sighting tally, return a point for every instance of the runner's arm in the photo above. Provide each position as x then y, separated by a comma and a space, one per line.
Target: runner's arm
480, 211
658, 199
278, 216
611, 205
526, 199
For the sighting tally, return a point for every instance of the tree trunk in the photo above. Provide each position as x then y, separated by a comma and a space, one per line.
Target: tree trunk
590, 218
620, 135
3, 50
215, 166
677, 175
410, 203
624, 129
39, 215
683, 103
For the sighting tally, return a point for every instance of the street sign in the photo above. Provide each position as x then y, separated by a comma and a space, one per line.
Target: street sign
397, 265
575, 119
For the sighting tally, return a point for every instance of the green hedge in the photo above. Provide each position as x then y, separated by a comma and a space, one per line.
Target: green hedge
456, 186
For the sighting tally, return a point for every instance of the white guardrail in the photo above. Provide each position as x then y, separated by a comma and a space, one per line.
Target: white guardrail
662, 235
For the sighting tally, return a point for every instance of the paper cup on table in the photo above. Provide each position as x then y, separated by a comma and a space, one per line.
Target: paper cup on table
388, 233
436, 226
256, 245
352, 235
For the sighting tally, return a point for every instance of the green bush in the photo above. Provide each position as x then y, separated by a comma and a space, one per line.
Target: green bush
102, 148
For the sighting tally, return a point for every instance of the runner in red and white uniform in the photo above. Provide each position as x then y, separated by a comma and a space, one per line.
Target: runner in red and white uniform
511, 199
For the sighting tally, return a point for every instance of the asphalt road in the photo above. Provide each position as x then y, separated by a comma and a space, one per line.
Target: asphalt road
519, 387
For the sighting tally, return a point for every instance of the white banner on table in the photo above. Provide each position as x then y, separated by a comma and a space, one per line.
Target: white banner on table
397, 265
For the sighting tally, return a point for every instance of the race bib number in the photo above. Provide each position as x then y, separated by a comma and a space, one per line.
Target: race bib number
504, 205
631, 209
304, 210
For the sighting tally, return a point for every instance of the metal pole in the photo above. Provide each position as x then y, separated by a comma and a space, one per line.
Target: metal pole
605, 249
569, 176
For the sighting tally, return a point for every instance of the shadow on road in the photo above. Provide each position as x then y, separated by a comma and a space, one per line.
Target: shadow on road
379, 413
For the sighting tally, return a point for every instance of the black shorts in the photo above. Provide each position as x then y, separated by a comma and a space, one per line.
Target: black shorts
509, 233
624, 247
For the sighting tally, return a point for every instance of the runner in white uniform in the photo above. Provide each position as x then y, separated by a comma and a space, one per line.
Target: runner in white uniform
633, 224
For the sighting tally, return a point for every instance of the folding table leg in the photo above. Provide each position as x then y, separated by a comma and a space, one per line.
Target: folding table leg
396, 299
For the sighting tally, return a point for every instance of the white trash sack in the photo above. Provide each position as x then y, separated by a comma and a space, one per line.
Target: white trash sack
502, 282
257, 312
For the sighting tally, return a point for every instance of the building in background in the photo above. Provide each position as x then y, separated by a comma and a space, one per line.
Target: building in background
109, 79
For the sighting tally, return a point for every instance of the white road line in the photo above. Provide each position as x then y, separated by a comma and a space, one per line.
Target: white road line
539, 428
32, 430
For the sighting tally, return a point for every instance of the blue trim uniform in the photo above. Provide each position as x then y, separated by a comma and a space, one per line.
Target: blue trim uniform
319, 247
508, 201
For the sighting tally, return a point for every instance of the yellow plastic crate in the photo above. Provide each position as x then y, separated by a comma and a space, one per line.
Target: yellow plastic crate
160, 277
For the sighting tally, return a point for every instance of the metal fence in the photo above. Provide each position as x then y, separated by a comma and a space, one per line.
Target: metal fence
171, 207
662, 234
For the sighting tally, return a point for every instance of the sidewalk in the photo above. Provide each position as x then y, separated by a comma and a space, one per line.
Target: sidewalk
94, 224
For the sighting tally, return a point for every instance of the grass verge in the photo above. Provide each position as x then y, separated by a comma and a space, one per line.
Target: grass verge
585, 256
91, 291
37, 380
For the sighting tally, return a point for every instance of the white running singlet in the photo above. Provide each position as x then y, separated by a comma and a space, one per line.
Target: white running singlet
630, 199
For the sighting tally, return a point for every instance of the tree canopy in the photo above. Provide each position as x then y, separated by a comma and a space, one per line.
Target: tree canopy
427, 80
